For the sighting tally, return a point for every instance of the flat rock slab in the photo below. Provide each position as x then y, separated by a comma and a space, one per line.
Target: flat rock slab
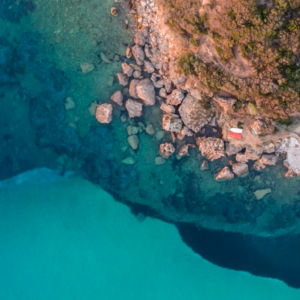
145, 91
259, 194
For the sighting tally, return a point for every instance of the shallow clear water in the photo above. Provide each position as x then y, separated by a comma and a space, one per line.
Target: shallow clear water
68, 239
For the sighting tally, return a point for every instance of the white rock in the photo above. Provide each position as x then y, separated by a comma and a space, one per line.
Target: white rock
104, 113
134, 108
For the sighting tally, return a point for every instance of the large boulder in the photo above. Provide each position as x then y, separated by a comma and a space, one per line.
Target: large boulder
171, 123
138, 54
134, 108
211, 148
193, 113
146, 92
104, 113
224, 174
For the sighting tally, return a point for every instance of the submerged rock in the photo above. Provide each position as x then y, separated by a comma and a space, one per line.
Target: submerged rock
87, 67
171, 123
259, 194
193, 113
145, 91
211, 148
159, 160
117, 97
104, 113
129, 161
224, 174
134, 108
133, 141
150, 130
204, 165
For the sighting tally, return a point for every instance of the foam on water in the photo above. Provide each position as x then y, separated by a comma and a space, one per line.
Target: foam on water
69, 239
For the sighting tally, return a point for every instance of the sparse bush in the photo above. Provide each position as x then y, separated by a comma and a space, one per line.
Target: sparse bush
194, 42
186, 63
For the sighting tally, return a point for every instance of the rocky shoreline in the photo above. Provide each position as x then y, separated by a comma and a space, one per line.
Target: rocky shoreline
156, 78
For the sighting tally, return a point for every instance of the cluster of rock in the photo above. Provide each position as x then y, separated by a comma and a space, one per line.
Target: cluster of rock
187, 107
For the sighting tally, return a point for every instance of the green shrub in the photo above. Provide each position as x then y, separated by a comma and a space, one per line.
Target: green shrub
253, 109
186, 63
194, 42
286, 121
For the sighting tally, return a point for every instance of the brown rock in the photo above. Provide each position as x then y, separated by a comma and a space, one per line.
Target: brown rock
138, 54
149, 68
139, 38
241, 158
269, 160
114, 12
224, 174
123, 79
146, 92
211, 148
169, 109
128, 70
258, 165
166, 150
128, 52
104, 113
117, 97
134, 108
132, 88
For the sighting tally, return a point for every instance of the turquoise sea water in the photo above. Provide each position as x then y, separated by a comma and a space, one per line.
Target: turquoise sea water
68, 239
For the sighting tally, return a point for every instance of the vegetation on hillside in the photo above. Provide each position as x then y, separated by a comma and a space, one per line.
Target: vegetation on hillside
265, 33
